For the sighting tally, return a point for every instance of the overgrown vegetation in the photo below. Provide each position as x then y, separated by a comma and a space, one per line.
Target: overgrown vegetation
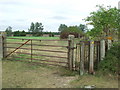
105, 21
77, 31
111, 60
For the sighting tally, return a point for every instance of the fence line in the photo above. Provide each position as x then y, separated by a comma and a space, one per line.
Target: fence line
83, 56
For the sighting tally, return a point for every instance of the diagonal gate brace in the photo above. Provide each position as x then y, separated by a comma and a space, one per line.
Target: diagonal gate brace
17, 48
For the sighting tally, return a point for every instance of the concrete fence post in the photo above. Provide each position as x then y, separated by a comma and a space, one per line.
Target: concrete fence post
91, 62
102, 49
109, 43
71, 51
82, 58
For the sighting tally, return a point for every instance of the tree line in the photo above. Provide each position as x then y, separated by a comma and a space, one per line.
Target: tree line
105, 22
10, 32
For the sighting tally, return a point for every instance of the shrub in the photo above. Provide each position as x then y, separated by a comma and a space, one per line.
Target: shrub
111, 60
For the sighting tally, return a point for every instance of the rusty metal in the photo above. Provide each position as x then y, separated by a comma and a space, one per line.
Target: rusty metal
40, 45
32, 54
38, 39
39, 50
38, 63
17, 48
42, 55
31, 50
42, 60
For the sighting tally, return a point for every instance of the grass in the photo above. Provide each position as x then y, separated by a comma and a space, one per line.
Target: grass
36, 37
99, 82
27, 75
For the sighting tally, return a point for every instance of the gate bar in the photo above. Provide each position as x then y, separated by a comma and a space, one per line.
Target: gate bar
39, 50
17, 48
37, 39
42, 55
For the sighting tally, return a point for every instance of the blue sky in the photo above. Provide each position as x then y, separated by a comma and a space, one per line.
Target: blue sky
20, 13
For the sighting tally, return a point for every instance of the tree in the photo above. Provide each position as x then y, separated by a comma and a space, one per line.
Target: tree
36, 29
83, 27
104, 20
74, 30
9, 31
31, 28
62, 27
17, 33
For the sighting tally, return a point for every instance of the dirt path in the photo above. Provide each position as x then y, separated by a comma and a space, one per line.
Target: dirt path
25, 75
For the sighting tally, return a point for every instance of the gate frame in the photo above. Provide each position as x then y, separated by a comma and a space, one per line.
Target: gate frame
70, 47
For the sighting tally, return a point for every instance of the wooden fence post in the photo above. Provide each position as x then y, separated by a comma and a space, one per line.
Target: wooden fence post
82, 58
4, 45
1, 57
102, 49
71, 51
1, 47
91, 62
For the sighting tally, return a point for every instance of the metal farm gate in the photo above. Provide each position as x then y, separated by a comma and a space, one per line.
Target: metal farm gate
50, 52
83, 56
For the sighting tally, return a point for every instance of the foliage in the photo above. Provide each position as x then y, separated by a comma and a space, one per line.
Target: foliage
83, 27
74, 30
9, 31
19, 33
104, 20
36, 29
110, 62
62, 27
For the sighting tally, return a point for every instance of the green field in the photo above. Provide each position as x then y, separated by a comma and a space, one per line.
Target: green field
36, 37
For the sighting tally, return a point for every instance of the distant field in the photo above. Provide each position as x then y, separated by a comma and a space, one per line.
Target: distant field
36, 37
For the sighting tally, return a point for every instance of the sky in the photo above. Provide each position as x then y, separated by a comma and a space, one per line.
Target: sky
51, 13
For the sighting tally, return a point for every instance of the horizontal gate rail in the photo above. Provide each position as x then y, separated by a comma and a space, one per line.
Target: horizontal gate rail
42, 55
39, 50
42, 60
40, 45
38, 39
40, 63
17, 48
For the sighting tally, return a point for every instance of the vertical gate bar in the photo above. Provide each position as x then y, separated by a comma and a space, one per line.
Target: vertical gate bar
31, 51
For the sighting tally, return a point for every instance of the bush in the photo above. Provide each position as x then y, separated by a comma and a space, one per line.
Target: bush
111, 60
73, 30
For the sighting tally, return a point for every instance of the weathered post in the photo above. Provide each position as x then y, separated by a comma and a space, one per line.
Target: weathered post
1, 46
71, 51
4, 45
109, 43
102, 49
1, 57
91, 64
82, 58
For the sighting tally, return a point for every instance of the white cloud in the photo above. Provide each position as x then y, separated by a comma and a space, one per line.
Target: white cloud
20, 13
